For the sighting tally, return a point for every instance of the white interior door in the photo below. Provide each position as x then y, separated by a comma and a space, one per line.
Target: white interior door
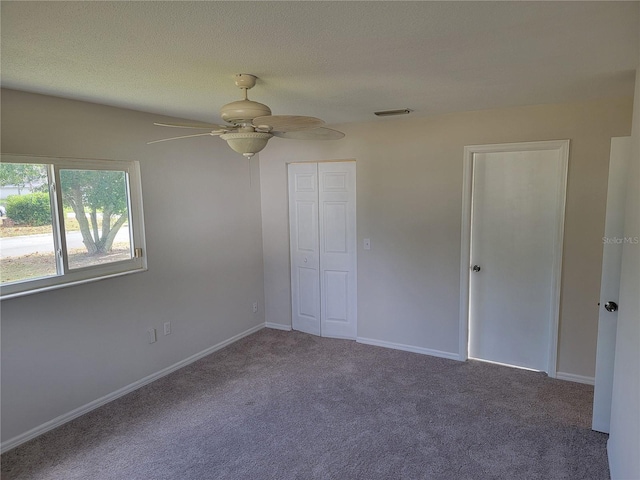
322, 228
337, 214
610, 285
517, 215
303, 241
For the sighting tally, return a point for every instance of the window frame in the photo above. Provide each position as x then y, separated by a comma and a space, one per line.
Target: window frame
66, 277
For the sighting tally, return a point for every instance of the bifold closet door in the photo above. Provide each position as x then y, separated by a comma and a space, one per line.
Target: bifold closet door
322, 218
337, 214
303, 241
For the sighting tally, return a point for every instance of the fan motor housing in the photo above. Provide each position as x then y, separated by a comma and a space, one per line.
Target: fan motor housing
243, 111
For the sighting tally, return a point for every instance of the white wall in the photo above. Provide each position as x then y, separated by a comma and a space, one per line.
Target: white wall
624, 439
65, 348
409, 182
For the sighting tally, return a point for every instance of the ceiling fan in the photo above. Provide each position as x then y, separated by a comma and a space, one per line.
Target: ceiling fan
251, 125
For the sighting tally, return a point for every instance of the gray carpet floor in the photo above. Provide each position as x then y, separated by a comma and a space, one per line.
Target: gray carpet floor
286, 405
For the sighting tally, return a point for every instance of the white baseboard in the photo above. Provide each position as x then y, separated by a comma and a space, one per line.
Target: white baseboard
408, 348
570, 377
67, 417
278, 326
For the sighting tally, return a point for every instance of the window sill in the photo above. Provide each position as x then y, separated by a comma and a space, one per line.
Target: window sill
71, 283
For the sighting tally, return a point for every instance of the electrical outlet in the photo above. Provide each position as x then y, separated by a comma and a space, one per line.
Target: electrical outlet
151, 335
255, 307
167, 328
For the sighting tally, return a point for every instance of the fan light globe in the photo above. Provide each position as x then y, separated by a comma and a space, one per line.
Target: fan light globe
247, 143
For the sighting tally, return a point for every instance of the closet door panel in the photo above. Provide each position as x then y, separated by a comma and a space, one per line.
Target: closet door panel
304, 248
337, 214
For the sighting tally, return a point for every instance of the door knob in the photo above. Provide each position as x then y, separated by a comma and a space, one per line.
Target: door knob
476, 268
611, 307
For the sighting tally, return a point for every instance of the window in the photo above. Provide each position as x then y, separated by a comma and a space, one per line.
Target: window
68, 221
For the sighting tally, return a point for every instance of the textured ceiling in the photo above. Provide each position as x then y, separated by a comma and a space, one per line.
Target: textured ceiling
340, 61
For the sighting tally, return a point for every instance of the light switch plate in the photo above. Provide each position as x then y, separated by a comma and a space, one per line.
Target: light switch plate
151, 332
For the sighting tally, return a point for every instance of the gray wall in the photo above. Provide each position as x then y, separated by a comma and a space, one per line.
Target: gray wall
409, 182
65, 348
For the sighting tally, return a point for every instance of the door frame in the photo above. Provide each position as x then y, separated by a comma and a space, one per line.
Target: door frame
562, 146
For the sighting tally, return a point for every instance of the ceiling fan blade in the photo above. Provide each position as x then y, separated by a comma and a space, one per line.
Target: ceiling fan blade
286, 123
321, 133
203, 126
186, 136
